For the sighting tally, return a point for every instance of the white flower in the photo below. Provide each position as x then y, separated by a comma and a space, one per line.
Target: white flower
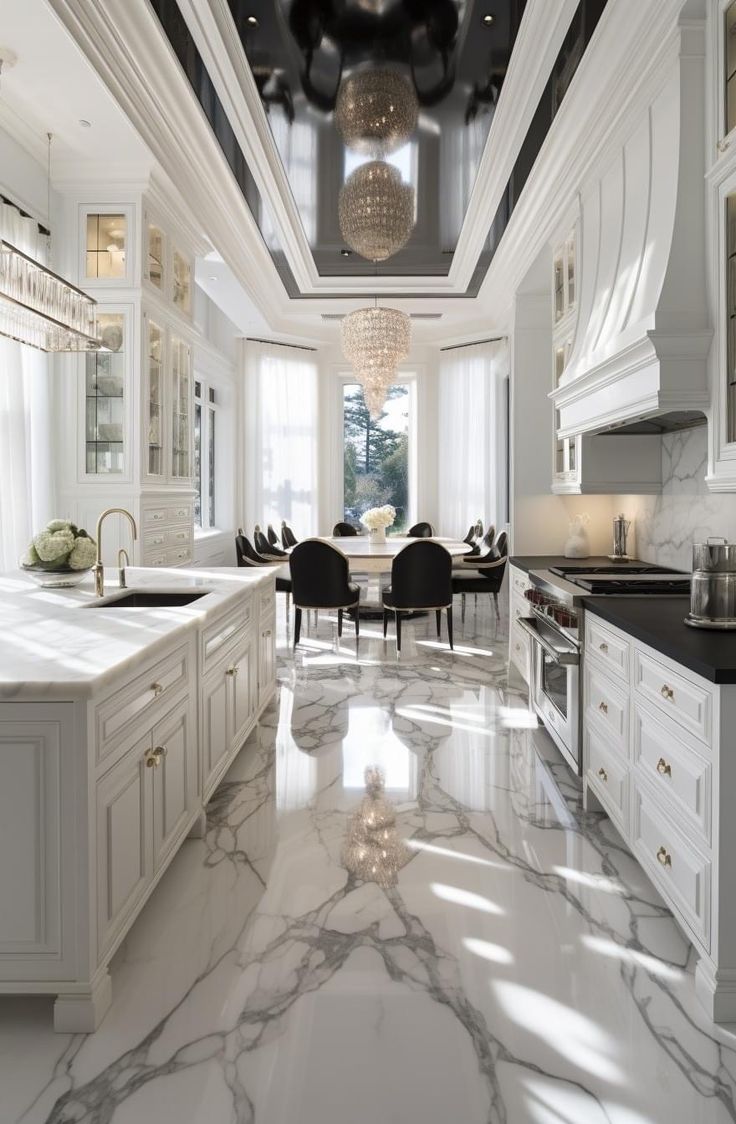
378, 517
53, 545
84, 554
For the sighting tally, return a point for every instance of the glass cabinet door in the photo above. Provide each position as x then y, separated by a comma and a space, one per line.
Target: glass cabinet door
155, 257
182, 283
105, 398
181, 404
154, 404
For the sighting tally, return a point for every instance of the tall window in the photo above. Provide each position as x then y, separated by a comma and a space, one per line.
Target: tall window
376, 453
205, 435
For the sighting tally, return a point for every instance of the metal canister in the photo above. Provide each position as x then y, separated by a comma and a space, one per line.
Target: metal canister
713, 588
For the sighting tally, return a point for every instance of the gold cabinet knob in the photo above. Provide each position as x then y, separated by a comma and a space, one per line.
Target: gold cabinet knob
157, 689
663, 768
150, 759
603, 774
603, 707
603, 647
663, 857
233, 671
666, 692
159, 752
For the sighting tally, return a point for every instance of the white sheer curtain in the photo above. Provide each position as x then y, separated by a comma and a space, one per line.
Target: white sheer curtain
25, 427
282, 429
472, 440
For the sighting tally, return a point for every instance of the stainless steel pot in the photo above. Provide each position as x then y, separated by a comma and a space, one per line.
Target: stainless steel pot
713, 587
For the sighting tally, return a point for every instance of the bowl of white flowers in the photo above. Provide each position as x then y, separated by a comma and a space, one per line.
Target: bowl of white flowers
377, 519
60, 555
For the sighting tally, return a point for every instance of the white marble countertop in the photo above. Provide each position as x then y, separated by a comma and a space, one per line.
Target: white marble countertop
52, 647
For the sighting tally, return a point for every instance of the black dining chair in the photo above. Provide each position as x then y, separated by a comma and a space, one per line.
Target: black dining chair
266, 549
247, 556
271, 535
288, 538
470, 537
482, 574
421, 531
344, 530
320, 579
421, 580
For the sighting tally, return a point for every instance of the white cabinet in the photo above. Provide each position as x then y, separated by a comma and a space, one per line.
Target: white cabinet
658, 758
229, 705
174, 776
518, 642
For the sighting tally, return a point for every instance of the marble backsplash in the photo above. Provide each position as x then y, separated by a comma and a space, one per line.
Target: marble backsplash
667, 525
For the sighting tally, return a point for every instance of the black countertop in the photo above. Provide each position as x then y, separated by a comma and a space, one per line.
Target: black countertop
547, 561
659, 621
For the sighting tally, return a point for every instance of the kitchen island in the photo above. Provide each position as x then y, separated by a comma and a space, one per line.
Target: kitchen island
117, 723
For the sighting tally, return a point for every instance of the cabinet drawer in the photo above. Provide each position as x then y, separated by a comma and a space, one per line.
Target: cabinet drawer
179, 536
179, 556
607, 706
677, 773
519, 651
223, 632
154, 540
154, 559
519, 581
181, 512
687, 703
146, 695
612, 651
682, 874
608, 776
154, 515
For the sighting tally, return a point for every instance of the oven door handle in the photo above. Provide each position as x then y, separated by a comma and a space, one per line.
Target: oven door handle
565, 656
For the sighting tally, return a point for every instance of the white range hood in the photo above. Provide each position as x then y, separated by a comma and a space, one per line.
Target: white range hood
643, 331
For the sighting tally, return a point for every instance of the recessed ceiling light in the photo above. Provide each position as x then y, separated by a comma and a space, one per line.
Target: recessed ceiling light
213, 278
488, 19
252, 20
346, 253
84, 123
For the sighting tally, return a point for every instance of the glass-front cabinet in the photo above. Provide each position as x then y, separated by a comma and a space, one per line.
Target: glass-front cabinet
155, 257
181, 409
154, 404
566, 457
105, 379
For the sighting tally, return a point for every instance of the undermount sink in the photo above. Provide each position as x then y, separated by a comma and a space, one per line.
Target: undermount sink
147, 599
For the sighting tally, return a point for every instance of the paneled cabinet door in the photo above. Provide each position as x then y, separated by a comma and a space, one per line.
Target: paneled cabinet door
174, 778
215, 734
266, 659
124, 842
242, 676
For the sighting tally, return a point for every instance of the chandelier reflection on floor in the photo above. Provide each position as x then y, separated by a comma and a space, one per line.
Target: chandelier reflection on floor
373, 850
376, 111
375, 340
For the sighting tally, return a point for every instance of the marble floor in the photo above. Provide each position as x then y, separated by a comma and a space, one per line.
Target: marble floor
456, 942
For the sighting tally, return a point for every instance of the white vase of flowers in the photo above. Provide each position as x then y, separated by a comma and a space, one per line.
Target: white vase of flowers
59, 555
377, 519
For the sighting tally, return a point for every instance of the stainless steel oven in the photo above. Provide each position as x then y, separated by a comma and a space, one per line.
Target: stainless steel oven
554, 679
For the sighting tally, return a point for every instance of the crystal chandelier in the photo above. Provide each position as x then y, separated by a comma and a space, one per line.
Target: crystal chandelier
40, 309
376, 210
375, 340
376, 111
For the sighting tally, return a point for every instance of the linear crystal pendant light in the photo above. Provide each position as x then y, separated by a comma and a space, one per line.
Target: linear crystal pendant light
39, 308
376, 111
376, 211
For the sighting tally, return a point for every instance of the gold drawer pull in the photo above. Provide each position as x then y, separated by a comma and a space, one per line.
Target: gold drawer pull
603, 646
159, 752
603, 774
663, 858
666, 692
603, 706
232, 670
663, 768
157, 690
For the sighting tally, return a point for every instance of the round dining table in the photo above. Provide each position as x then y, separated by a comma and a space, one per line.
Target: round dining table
366, 556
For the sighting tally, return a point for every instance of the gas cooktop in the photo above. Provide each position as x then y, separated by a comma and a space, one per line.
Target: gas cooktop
660, 581
621, 569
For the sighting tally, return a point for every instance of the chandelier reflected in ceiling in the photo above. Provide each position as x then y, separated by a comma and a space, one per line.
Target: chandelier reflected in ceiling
376, 111
375, 341
376, 211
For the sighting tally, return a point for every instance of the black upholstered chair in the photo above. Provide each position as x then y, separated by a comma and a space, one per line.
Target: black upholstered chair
421, 531
421, 579
484, 573
470, 537
288, 538
248, 556
266, 549
344, 530
271, 535
320, 579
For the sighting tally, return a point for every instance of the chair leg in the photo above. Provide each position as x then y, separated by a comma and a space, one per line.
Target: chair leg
495, 601
288, 608
439, 622
449, 626
397, 614
357, 623
385, 623
462, 608
339, 623
297, 624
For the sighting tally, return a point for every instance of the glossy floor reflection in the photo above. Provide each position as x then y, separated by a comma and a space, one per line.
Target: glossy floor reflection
518, 968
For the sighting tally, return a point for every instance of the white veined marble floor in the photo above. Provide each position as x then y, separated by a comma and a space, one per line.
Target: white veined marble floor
518, 967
